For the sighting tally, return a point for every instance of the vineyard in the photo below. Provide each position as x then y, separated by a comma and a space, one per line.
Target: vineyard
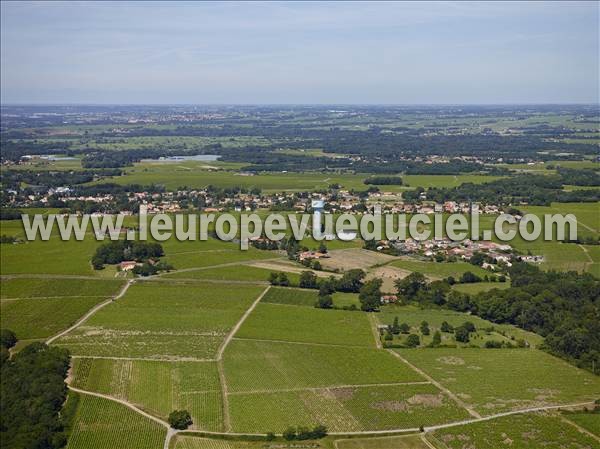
104, 424
179, 321
256, 365
498, 380
523, 431
157, 387
308, 325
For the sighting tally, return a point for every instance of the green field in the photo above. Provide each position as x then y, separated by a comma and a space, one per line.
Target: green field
40, 318
497, 380
47, 288
195, 175
165, 321
231, 273
291, 296
394, 442
344, 409
194, 442
307, 325
531, 431
478, 287
439, 270
157, 387
268, 366
104, 424
589, 421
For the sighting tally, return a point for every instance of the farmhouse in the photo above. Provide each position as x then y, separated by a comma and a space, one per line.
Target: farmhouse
128, 265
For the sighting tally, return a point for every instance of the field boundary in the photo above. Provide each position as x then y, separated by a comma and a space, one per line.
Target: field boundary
92, 311
341, 434
455, 398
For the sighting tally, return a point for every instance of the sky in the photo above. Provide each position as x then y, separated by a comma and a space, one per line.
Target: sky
299, 52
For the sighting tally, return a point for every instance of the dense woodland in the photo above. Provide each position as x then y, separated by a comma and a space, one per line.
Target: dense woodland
33, 393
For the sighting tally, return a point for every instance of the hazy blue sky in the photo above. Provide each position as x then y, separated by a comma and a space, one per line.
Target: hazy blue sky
300, 52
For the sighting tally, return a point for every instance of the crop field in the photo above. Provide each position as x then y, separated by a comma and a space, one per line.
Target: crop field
43, 317
195, 257
497, 380
157, 387
344, 409
307, 325
51, 257
164, 321
240, 272
196, 175
529, 431
348, 259
589, 421
46, 288
291, 296
104, 424
439, 270
194, 442
396, 442
269, 366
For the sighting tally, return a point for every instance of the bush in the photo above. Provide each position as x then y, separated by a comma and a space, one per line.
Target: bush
412, 341
180, 419
7, 338
324, 302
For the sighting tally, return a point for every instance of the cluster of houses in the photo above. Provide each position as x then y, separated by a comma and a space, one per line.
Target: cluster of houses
463, 250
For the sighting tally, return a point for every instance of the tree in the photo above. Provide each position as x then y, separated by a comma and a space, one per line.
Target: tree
327, 287
273, 278
425, 328
180, 419
283, 280
405, 328
351, 281
322, 248
270, 436
461, 334
395, 328
469, 278
446, 327
412, 341
370, 295
7, 338
437, 338
317, 265
308, 280
324, 302
477, 259
411, 285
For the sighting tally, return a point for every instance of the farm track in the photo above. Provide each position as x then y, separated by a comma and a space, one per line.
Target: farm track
362, 432
221, 368
581, 429
438, 385
92, 311
329, 387
373, 322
